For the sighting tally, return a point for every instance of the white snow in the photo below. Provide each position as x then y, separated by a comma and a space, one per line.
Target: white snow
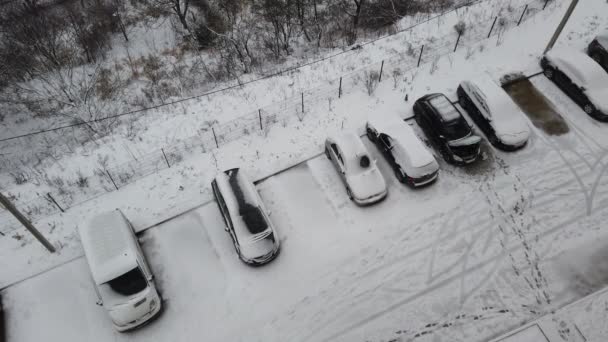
584, 72
506, 118
408, 149
473, 256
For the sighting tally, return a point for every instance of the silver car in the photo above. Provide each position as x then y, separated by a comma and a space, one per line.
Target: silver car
364, 183
252, 233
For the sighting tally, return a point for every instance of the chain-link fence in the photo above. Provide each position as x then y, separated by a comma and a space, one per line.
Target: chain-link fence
106, 178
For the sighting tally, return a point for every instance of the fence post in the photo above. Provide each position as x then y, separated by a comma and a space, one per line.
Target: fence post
492, 28
340, 89
53, 200
260, 116
522, 15
112, 179
302, 102
420, 57
546, 3
6, 203
457, 41
381, 68
215, 138
164, 155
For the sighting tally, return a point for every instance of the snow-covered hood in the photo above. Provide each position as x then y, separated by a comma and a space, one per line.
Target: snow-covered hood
513, 130
258, 246
367, 184
599, 97
135, 308
466, 141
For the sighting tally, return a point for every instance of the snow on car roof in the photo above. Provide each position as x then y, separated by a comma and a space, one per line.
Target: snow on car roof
506, 116
444, 107
242, 203
409, 144
352, 148
583, 70
106, 243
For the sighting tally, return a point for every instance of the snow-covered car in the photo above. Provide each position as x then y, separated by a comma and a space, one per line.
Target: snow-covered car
411, 161
123, 280
364, 183
494, 112
581, 78
598, 49
253, 235
449, 131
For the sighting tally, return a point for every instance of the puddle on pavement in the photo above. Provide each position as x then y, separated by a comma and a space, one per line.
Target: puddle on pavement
485, 164
537, 107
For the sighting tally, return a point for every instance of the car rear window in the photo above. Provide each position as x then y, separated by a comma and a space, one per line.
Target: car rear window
129, 283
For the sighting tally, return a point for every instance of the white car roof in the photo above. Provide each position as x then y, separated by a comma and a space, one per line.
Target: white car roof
408, 143
583, 70
108, 244
242, 187
506, 116
351, 146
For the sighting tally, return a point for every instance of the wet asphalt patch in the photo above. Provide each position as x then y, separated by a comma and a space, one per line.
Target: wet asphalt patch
536, 106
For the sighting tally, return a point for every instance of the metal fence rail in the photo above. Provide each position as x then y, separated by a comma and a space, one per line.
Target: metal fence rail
480, 28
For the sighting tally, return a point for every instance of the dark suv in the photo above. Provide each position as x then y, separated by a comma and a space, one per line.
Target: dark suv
598, 49
445, 126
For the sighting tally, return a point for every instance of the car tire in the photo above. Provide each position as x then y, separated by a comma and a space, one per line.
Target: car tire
549, 72
596, 57
589, 108
400, 175
370, 134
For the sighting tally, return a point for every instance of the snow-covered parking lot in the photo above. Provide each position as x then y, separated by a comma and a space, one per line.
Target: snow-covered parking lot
478, 253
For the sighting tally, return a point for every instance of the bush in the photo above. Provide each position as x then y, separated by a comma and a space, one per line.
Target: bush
371, 81
461, 27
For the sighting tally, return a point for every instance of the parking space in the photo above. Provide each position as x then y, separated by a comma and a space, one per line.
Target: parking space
464, 259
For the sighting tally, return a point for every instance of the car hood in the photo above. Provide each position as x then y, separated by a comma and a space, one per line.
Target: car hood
135, 308
513, 130
599, 97
367, 184
466, 141
258, 246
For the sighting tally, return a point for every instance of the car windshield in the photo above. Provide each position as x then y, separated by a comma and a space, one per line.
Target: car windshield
456, 129
129, 283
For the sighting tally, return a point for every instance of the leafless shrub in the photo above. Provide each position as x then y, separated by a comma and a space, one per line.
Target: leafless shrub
19, 177
371, 81
82, 181
460, 27
397, 73
435, 65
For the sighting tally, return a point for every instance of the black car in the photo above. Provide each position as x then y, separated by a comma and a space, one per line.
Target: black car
598, 49
448, 130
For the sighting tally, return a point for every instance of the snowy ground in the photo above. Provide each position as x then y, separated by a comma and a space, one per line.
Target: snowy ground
478, 253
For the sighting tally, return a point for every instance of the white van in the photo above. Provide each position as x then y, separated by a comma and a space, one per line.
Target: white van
123, 281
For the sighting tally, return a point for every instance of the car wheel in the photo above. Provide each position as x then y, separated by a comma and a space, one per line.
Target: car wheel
589, 108
399, 174
370, 134
549, 72
327, 154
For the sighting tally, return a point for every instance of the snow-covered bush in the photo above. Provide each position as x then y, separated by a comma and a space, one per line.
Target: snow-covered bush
371, 81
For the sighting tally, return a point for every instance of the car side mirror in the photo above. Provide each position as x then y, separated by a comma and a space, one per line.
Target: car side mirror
99, 302
583, 89
150, 277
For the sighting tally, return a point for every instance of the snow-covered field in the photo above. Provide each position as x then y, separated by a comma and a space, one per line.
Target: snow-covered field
478, 253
